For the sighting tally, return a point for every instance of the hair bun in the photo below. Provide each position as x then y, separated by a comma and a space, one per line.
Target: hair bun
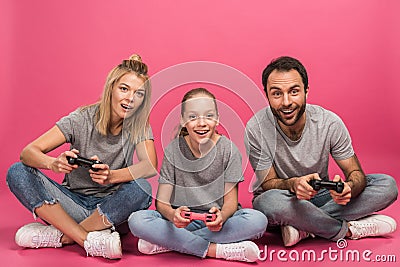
136, 57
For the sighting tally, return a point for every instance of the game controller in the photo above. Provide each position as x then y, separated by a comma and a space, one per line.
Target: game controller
318, 184
205, 217
84, 162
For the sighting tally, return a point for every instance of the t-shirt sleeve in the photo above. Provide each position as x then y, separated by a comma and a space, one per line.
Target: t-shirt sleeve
167, 170
70, 125
148, 136
340, 141
233, 172
257, 149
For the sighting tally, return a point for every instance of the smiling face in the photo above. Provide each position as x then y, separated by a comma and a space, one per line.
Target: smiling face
287, 98
200, 117
127, 96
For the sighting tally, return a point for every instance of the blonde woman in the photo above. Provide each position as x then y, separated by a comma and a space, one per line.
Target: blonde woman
91, 201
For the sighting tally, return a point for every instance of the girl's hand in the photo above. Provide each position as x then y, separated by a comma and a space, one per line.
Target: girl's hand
178, 220
102, 175
61, 165
216, 225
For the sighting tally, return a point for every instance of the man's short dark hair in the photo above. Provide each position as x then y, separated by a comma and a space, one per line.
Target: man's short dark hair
284, 63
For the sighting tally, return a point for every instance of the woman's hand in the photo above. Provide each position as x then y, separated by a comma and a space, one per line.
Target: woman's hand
61, 165
216, 225
103, 173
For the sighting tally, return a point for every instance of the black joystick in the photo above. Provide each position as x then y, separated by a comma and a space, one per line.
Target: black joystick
318, 184
84, 162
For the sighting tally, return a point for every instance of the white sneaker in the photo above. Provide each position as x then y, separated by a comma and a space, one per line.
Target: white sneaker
291, 236
373, 225
148, 248
37, 235
103, 243
242, 251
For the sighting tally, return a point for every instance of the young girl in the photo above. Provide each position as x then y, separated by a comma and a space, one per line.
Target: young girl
200, 173
102, 197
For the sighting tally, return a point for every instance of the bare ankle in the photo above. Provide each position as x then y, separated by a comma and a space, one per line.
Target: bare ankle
212, 250
65, 240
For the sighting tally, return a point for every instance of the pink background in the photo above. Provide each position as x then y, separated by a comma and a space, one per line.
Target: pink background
55, 56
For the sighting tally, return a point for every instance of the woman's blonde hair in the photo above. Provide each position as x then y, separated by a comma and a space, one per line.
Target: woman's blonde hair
137, 125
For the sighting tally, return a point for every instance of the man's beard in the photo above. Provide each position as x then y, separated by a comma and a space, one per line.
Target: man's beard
285, 122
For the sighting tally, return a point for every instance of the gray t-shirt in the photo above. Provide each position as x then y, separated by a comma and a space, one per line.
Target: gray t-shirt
199, 183
324, 134
115, 150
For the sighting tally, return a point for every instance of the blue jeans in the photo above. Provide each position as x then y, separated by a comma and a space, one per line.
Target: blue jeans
321, 215
195, 239
33, 189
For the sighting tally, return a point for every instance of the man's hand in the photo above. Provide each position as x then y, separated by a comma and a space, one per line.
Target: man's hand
302, 188
344, 197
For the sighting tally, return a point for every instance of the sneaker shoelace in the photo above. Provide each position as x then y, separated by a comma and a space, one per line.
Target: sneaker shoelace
97, 247
365, 229
47, 237
159, 249
235, 252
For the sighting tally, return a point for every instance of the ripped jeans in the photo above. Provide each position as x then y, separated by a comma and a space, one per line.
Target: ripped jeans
33, 188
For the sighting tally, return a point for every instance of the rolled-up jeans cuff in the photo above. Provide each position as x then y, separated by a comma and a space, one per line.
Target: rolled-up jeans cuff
342, 233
